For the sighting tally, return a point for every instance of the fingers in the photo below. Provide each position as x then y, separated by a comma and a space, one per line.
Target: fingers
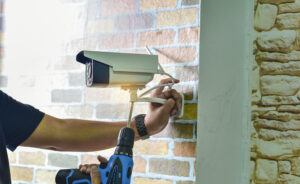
95, 175
164, 81
176, 96
169, 105
102, 159
86, 168
83, 168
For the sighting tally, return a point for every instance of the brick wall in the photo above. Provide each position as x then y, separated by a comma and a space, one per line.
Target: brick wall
39, 68
275, 93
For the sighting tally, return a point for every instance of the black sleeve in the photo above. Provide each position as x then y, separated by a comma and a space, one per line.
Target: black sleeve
18, 120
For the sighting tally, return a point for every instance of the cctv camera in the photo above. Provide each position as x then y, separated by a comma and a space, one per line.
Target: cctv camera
118, 69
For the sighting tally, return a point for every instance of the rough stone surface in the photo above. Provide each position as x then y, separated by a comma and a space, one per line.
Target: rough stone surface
277, 125
252, 170
289, 108
274, 115
276, 1
284, 167
290, 7
280, 57
288, 179
266, 171
280, 100
275, 68
280, 85
288, 21
296, 166
276, 41
269, 134
265, 17
277, 149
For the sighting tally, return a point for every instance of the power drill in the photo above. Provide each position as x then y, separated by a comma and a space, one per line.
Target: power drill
118, 170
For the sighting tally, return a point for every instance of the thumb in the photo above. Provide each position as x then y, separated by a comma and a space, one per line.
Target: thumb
95, 175
169, 105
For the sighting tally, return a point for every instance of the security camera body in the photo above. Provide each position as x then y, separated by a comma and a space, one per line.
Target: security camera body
109, 69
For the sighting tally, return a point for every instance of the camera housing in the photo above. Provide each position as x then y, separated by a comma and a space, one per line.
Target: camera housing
110, 69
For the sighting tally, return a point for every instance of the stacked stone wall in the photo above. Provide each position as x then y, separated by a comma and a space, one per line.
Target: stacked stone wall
275, 137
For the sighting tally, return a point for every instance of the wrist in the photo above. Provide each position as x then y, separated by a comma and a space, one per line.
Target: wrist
141, 127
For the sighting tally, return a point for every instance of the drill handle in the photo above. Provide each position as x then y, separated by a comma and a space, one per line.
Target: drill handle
68, 176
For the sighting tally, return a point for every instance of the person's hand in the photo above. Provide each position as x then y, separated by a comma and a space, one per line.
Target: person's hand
92, 169
158, 115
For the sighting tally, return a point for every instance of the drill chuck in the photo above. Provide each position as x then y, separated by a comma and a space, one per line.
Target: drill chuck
125, 142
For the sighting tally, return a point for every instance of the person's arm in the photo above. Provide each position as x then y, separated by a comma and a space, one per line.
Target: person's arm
75, 135
82, 135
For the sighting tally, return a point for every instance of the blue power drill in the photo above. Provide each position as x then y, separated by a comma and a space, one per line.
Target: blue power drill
118, 170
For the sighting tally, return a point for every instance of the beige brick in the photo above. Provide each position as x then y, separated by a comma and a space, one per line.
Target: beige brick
185, 149
117, 7
12, 157
66, 96
175, 130
177, 55
139, 164
62, 160
89, 159
157, 4
106, 95
169, 167
32, 158
187, 90
186, 73
115, 41
21, 173
149, 147
139, 180
45, 176
100, 26
152, 38
189, 35
65, 63
190, 111
177, 17
109, 111
135, 21
190, 2
80, 111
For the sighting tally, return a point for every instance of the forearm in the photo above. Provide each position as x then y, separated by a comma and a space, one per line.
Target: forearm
83, 135
75, 135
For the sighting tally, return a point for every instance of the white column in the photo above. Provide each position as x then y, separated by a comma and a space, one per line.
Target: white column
223, 150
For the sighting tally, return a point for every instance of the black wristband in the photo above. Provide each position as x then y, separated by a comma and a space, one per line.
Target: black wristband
140, 126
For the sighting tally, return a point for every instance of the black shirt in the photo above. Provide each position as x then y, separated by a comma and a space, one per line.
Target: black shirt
17, 123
